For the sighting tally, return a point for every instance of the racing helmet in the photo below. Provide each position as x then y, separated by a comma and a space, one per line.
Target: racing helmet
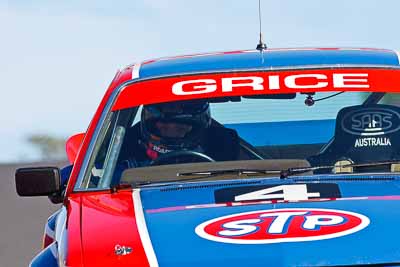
172, 126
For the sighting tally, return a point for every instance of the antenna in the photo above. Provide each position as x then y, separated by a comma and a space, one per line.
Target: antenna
261, 46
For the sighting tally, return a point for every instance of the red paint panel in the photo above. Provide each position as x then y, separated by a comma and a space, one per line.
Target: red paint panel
252, 83
109, 220
47, 240
72, 146
73, 242
119, 78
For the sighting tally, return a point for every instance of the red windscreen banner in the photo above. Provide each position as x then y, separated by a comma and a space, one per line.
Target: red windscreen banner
257, 83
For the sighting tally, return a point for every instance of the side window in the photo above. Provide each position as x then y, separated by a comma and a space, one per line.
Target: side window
96, 167
104, 160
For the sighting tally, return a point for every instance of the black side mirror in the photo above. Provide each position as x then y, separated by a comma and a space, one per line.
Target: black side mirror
41, 181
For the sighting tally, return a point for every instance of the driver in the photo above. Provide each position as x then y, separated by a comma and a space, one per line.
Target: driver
178, 126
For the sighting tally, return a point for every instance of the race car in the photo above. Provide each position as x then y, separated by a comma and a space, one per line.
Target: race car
276, 157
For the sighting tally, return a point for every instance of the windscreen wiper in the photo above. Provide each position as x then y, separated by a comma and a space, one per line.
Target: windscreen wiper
283, 174
199, 175
296, 171
229, 171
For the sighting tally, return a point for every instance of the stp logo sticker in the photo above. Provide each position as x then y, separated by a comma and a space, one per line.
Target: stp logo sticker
282, 225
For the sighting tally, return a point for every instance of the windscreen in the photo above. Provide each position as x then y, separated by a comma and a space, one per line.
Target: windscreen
321, 129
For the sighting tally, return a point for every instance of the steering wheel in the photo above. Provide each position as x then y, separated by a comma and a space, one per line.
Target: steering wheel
172, 156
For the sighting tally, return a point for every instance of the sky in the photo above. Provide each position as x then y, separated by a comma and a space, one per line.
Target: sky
58, 57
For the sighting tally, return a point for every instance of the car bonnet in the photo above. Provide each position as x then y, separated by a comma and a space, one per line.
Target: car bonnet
190, 225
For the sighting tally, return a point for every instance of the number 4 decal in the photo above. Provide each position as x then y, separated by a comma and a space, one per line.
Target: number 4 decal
294, 192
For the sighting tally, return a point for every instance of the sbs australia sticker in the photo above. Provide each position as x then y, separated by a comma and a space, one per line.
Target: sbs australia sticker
282, 225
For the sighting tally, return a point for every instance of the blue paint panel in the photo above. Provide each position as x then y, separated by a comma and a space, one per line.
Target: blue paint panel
285, 133
51, 221
172, 231
272, 58
176, 244
45, 258
203, 193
